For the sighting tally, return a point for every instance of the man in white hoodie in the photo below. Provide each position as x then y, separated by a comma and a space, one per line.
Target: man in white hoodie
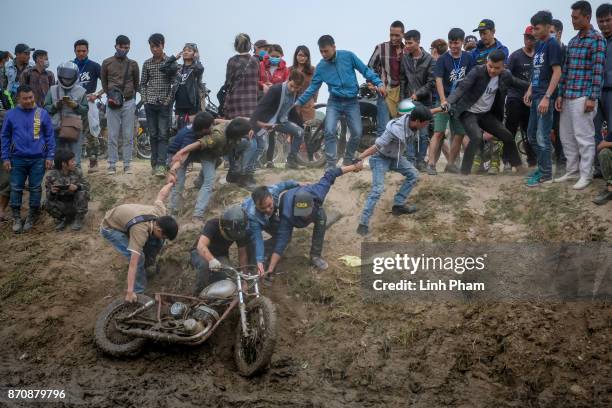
388, 154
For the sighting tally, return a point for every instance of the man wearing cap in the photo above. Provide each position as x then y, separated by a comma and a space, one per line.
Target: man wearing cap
302, 206
38, 77
15, 68
517, 112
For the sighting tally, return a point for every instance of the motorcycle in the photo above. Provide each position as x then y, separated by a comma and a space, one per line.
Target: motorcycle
122, 328
312, 151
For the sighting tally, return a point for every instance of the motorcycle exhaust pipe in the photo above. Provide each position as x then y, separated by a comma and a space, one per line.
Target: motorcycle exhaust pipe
167, 337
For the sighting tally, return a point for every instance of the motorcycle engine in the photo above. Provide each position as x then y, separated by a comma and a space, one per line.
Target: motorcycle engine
205, 314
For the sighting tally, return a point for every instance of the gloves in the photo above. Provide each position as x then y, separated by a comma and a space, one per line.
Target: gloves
214, 264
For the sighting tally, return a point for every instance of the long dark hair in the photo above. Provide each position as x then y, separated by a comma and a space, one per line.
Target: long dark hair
308, 69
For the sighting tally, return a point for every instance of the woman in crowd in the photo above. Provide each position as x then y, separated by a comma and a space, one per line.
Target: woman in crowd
302, 63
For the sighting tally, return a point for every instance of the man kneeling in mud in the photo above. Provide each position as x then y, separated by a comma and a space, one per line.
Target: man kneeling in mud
211, 249
138, 232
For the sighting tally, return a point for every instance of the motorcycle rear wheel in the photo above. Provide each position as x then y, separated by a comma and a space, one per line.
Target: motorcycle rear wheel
110, 340
253, 353
143, 145
312, 151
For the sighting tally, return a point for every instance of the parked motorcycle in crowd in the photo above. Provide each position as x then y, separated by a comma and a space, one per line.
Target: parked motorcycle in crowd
122, 329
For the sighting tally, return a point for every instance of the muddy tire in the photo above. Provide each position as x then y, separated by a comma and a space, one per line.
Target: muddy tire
312, 150
253, 353
106, 336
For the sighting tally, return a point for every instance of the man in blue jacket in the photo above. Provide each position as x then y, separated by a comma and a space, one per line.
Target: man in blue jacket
337, 70
28, 147
302, 206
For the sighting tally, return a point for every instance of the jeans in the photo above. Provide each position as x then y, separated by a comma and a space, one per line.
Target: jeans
120, 241
380, 165
349, 107
121, 122
75, 147
261, 143
297, 135
382, 115
158, 126
474, 124
208, 170
416, 149
204, 276
538, 134
23, 169
177, 189
242, 159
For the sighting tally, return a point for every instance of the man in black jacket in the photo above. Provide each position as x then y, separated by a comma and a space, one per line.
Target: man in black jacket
478, 102
274, 112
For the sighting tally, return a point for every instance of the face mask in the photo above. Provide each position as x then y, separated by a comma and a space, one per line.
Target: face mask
262, 53
121, 53
46, 64
275, 60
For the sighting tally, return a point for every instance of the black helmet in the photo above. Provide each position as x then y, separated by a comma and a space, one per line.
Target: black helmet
67, 74
233, 223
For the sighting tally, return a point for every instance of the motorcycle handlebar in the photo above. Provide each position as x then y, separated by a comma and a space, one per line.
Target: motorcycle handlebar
228, 268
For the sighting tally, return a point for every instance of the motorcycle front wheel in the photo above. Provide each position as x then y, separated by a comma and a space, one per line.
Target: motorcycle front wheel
254, 352
106, 335
143, 144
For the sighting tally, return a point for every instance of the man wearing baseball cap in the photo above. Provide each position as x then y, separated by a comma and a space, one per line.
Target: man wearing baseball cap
301, 206
15, 68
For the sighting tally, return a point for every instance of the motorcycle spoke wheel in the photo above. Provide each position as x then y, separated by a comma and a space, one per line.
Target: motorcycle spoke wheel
254, 352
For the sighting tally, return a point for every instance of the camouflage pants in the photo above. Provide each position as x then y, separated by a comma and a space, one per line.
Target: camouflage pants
605, 162
67, 209
92, 142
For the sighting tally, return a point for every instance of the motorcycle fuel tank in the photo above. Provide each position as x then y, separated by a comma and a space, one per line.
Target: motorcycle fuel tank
222, 289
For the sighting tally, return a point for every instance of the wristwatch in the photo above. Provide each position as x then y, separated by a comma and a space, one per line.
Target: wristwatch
547, 95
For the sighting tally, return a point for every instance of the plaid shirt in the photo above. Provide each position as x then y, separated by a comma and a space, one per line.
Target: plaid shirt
583, 68
243, 81
155, 85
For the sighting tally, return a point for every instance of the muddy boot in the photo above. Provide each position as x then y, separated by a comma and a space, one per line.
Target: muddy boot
17, 225
247, 181
93, 165
31, 219
77, 224
292, 162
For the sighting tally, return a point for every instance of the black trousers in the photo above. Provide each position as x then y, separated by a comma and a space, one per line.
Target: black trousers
517, 117
473, 123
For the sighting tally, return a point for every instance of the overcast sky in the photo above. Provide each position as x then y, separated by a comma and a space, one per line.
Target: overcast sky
356, 25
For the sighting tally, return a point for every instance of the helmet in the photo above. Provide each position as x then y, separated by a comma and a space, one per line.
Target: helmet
405, 106
67, 74
233, 223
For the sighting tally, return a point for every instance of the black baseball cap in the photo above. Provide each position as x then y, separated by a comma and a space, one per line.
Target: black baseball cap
485, 24
19, 48
302, 204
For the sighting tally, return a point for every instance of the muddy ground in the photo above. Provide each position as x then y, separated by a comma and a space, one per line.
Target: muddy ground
333, 350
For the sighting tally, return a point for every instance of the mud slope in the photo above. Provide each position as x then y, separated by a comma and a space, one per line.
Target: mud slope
333, 350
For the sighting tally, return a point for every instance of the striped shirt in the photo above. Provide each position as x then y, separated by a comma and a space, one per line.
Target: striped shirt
584, 65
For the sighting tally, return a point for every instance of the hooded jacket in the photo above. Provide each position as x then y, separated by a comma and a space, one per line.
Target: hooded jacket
417, 77
475, 84
393, 140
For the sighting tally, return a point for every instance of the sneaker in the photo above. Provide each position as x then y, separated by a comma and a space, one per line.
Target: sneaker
291, 163
582, 183
17, 224
77, 224
160, 172
319, 262
60, 224
507, 168
431, 170
534, 173
567, 177
362, 230
111, 171
403, 209
603, 197
537, 180
232, 177
493, 171
128, 170
248, 182
420, 166
451, 168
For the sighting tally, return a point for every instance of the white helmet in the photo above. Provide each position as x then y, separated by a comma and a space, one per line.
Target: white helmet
405, 106
67, 74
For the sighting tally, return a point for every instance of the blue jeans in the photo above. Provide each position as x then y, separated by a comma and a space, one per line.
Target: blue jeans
297, 135
349, 107
158, 127
208, 171
382, 115
204, 276
380, 165
242, 159
416, 150
120, 241
261, 143
538, 135
75, 147
23, 169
